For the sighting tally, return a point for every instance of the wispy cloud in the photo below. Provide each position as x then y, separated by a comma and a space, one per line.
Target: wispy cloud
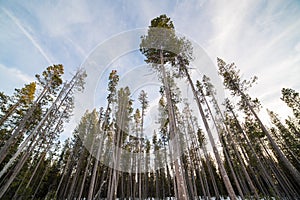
261, 37
13, 78
28, 35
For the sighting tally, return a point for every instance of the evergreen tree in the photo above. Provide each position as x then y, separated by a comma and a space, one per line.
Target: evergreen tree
292, 99
159, 47
238, 87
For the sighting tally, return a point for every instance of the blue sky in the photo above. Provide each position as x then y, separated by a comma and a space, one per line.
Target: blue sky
261, 37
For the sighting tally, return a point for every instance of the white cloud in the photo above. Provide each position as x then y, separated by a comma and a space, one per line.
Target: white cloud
58, 17
258, 37
261, 37
11, 78
28, 35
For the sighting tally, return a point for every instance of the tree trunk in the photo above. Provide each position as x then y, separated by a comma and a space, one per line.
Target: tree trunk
17, 131
17, 168
117, 152
36, 168
9, 113
40, 182
225, 177
92, 183
87, 167
66, 168
237, 153
294, 172
59, 100
181, 186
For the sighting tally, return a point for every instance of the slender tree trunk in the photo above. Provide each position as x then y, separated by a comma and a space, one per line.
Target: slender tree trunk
59, 100
192, 191
16, 195
173, 173
87, 167
157, 183
101, 142
92, 184
76, 175
281, 178
181, 185
294, 172
225, 177
17, 132
206, 182
45, 151
40, 182
17, 169
197, 147
256, 172
117, 151
232, 170
115, 173
211, 174
140, 153
9, 113
168, 171
146, 190
66, 168
249, 181
36, 168
99, 191
262, 168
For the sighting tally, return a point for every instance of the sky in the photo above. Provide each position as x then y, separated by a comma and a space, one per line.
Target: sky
261, 37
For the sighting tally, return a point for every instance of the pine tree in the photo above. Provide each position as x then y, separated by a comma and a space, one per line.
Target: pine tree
21, 100
233, 82
50, 124
123, 116
50, 81
292, 99
159, 46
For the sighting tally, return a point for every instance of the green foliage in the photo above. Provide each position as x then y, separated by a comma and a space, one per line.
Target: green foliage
113, 82
200, 137
161, 46
137, 119
14, 107
160, 40
124, 110
26, 95
292, 99
51, 77
143, 100
232, 78
253, 128
288, 141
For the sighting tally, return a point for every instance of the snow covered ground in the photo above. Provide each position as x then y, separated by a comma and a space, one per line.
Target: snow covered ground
200, 198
